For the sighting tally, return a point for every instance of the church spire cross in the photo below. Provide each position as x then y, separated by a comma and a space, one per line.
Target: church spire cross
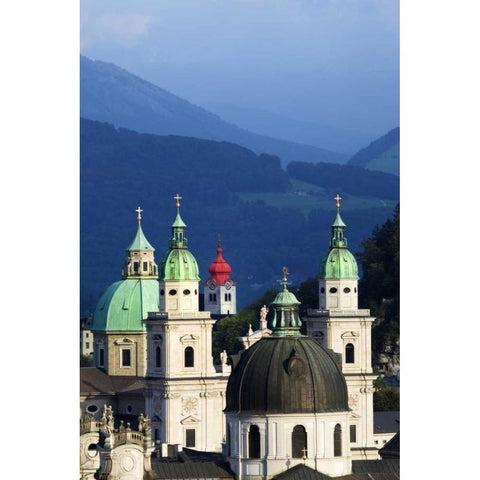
337, 199
284, 279
139, 214
177, 197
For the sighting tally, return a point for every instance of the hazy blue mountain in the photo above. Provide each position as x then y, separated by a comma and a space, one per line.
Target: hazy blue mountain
111, 94
265, 217
382, 154
279, 126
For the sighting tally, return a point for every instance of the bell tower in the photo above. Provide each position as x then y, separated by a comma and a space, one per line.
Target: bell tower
185, 390
219, 291
341, 326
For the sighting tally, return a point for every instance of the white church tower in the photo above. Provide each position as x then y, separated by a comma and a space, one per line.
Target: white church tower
339, 325
219, 291
185, 391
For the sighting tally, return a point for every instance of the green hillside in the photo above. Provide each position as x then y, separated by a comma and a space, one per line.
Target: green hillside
381, 155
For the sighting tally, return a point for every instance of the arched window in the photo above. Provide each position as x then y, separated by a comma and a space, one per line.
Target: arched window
349, 353
214, 297
299, 442
337, 441
189, 357
158, 358
253, 442
226, 297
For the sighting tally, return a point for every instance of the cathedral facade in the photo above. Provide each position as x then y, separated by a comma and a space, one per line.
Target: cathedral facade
291, 400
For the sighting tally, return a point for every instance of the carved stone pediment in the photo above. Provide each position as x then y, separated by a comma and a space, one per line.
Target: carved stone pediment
350, 334
191, 420
124, 341
189, 339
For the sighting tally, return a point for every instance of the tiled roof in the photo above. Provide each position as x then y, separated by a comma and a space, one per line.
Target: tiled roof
391, 449
301, 472
94, 381
180, 470
376, 466
386, 422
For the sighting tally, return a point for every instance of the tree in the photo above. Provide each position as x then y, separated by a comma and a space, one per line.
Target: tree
379, 288
385, 398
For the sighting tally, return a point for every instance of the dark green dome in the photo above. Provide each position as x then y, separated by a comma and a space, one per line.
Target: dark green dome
286, 374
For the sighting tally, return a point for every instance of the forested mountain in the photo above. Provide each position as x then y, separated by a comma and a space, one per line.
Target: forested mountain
266, 218
354, 180
111, 94
382, 154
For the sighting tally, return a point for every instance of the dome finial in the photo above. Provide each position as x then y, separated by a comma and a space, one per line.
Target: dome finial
177, 197
139, 214
284, 279
219, 240
337, 199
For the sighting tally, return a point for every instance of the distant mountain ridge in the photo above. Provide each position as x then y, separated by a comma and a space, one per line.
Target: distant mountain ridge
111, 94
382, 154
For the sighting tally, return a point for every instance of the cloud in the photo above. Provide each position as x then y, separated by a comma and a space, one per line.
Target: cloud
120, 29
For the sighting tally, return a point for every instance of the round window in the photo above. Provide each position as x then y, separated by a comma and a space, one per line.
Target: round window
346, 290
333, 290
196, 291
355, 290
92, 450
186, 291
162, 292
129, 409
322, 290
92, 409
172, 292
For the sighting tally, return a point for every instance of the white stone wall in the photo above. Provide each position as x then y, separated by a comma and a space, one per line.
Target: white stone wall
220, 306
276, 443
181, 398
344, 298
179, 296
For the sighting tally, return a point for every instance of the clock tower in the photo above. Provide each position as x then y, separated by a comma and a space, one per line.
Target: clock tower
220, 290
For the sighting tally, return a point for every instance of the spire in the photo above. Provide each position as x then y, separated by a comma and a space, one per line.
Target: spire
140, 242
286, 320
338, 239
140, 261
178, 239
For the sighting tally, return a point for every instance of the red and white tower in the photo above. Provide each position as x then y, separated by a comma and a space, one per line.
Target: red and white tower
219, 290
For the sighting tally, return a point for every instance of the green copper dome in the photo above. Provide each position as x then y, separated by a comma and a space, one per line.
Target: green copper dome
339, 262
125, 304
179, 263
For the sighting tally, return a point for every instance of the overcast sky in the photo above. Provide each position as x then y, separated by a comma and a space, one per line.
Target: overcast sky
333, 62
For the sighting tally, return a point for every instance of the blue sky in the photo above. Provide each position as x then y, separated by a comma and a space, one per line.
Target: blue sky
332, 62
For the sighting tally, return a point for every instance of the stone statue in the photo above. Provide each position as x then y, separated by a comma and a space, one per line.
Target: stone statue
223, 357
107, 420
263, 313
141, 420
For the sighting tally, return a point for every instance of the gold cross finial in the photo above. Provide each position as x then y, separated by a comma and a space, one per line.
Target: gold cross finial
177, 197
304, 453
284, 279
139, 214
338, 198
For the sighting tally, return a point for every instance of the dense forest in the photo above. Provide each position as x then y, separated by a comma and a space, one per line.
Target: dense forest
347, 178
